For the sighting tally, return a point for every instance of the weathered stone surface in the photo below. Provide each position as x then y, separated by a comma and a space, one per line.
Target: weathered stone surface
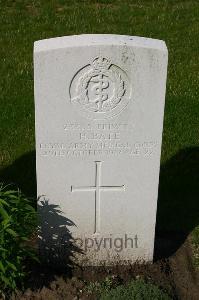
99, 103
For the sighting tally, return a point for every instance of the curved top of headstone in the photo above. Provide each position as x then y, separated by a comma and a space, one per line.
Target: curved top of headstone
98, 39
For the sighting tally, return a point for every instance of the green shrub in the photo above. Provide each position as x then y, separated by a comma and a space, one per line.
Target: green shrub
17, 222
100, 287
136, 290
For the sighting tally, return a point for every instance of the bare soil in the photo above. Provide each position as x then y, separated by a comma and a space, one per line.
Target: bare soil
175, 274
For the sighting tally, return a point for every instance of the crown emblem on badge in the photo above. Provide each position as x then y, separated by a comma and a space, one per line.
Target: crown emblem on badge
101, 63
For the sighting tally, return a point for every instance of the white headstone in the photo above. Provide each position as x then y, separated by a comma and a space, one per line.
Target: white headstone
99, 103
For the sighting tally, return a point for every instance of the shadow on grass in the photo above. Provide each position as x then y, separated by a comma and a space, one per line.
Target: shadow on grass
177, 213
22, 173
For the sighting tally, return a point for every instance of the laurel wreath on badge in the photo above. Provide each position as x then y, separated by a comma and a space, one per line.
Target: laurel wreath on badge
101, 74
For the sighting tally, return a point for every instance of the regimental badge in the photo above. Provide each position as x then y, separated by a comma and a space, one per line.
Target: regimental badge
100, 90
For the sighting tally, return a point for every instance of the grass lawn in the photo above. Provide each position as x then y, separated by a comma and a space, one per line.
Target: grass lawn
24, 21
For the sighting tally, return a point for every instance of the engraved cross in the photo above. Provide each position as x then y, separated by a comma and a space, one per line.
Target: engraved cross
97, 189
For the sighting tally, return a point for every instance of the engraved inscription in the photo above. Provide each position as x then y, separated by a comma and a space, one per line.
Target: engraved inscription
100, 126
97, 188
106, 139
105, 148
100, 90
99, 136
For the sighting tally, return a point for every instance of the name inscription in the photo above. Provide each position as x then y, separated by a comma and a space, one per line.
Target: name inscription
108, 139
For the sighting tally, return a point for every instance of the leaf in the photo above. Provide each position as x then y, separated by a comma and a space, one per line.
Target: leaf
29, 207
10, 192
5, 222
19, 257
2, 267
11, 265
23, 238
11, 232
35, 258
3, 213
3, 202
8, 283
